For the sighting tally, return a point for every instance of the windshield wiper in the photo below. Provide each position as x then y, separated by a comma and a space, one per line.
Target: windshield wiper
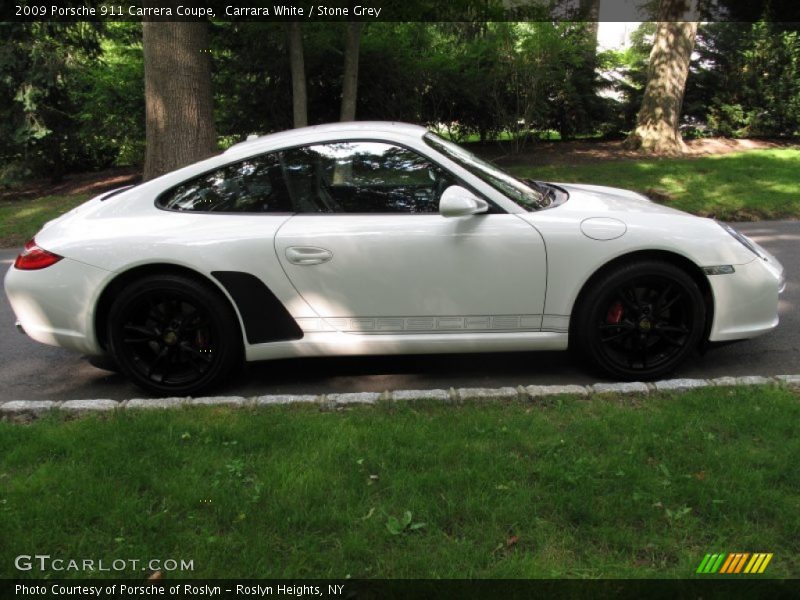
547, 192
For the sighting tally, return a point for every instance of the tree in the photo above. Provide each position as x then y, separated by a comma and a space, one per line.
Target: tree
108, 93
657, 123
576, 106
590, 13
744, 79
352, 42
178, 102
41, 64
297, 64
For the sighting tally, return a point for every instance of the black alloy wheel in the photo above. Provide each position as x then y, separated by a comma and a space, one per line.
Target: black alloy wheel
173, 335
641, 320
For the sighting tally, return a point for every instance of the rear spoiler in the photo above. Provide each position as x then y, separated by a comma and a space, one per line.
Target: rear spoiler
114, 192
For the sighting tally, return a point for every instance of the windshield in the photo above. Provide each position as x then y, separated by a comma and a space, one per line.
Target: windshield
523, 194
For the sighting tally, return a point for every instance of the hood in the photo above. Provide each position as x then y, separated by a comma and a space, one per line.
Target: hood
602, 199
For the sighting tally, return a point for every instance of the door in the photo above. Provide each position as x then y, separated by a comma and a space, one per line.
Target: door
371, 254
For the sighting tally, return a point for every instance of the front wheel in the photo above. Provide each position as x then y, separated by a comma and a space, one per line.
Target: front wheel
640, 321
172, 335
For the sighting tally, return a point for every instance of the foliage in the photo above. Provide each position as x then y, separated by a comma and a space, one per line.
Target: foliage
468, 78
742, 83
745, 81
394, 72
38, 66
404, 524
109, 98
517, 78
75, 90
460, 75
728, 120
628, 70
251, 78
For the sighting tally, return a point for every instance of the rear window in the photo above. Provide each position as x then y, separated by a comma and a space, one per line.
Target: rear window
254, 185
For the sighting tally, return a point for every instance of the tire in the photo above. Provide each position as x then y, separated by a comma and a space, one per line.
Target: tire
172, 335
105, 362
639, 320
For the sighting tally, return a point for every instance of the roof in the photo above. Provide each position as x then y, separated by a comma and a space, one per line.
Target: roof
350, 127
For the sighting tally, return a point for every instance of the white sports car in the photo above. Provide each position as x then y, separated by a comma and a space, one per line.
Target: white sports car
380, 238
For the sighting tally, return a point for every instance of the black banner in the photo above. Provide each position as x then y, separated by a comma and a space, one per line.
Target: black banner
397, 589
391, 10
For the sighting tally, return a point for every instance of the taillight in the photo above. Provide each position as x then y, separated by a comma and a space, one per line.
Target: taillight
33, 257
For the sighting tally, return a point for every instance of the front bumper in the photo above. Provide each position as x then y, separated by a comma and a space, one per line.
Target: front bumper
746, 301
56, 305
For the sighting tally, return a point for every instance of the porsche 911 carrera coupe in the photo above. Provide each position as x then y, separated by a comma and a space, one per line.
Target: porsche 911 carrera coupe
381, 238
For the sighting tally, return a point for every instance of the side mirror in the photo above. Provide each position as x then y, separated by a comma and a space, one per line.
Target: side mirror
457, 201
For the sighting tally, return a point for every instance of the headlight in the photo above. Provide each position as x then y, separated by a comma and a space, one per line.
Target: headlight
743, 240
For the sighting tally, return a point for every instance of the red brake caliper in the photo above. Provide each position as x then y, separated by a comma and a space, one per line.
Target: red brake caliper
614, 315
201, 340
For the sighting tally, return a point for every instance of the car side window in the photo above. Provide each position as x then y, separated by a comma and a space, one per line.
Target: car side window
363, 177
255, 185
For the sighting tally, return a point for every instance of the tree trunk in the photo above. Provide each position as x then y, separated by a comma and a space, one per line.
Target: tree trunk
352, 41
657, 123
590, 12
299, 102
178, 101
591, 8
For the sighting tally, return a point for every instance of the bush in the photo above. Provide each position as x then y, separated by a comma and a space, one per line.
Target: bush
728, 120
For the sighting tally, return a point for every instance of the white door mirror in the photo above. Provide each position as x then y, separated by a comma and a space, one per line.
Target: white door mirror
457, 201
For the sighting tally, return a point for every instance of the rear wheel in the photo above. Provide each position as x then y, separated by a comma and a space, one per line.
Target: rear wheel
640, 321
173, 335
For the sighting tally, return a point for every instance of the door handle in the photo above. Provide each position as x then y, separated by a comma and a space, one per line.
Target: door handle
307, 255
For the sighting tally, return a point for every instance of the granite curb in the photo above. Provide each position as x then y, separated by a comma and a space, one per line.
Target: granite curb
9, 409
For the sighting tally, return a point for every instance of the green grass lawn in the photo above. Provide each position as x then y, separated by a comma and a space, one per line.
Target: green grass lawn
758, 184
21, 219
606, 487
